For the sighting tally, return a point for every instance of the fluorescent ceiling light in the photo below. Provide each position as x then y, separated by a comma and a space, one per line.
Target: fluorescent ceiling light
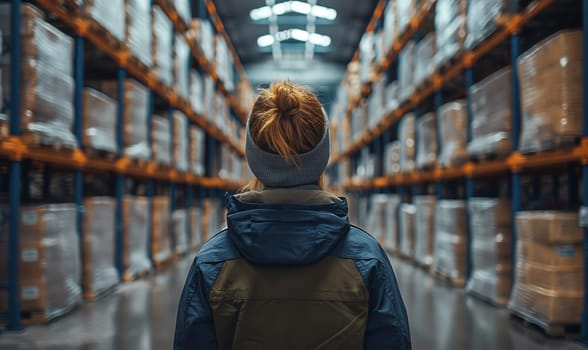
300, 7
296, 34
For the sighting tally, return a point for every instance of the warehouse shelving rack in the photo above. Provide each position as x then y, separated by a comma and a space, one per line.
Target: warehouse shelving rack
15, 150
514, 165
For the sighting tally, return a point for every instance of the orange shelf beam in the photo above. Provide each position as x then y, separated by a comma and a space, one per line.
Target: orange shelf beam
177, 21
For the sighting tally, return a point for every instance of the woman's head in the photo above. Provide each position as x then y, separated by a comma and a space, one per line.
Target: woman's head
287, 137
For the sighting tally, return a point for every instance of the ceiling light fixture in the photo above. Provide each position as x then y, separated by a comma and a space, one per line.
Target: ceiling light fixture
296, 34
300, 7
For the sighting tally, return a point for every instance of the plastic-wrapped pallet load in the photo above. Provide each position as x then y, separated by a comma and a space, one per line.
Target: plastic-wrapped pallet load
139, 30
224, 62
376, 220
450, 29
453, 133
407, 135
551, 92
47, 75
135, 237
359, 121
181, 141
49, 260
549, 287
162, 46
376, 103
99, 273
490, 225
492, 116
406, 66
389, 25
424, 230
197, 150
99, 127
161, 247
366, 56
482, 19
391, 99
110, 14
162, 142
196, 237
135, 97
184, 10
391, 235
424, 53
405, 10
450, 249
392, 158
196, 92
379, 48
205, 38
406, 230
426, 150
180, 224
208, 98
182, 60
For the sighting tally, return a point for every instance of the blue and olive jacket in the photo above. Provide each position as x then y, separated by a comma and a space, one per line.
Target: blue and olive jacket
290, 272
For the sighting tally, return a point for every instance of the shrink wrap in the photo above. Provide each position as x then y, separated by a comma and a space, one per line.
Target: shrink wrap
162, 46
135, 237
162, 143
99, 121
453, 133
450, 29
450, 250
424, 229
139, 35
180, 224
406, 225
406, 135
426, 150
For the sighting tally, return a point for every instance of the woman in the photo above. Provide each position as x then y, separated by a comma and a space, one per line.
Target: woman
290, 272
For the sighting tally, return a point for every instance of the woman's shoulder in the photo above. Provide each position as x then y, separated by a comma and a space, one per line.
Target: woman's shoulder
358, 244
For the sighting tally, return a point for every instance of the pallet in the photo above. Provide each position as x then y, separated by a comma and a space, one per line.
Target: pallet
129, 277
499, 303
91, 296
46, 141
100, 154
549, 329
453, 282
426, 267
142, 67
160, 265
37, 317
562, 142
486, 157
449, 63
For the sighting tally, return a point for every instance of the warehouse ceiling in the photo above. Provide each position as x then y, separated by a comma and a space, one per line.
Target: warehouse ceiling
324, 68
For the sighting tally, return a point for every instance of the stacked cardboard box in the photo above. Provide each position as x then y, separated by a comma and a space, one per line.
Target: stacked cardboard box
138, 30
162, 143
49, 260
109, 14
549, 285
180, 224
492, 116
162, 46
490, 225
181, 67
99, 129
453, 134
406, 224
391, 235
135, 98
551, 92
450, 250
98, 246
426, 150
407, 136
424, 229
181, 142
197, 150
135, 236
482, 19
161, 245
47, 76
450, 29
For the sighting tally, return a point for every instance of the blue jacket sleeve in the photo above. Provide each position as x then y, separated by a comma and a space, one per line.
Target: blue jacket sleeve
387, 326
194, 324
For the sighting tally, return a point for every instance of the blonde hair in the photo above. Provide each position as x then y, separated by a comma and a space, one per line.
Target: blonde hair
287, 119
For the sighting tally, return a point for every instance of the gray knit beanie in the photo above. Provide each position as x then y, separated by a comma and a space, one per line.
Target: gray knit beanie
276, 172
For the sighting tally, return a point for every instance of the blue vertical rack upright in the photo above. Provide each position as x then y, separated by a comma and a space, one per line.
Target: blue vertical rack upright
584, 328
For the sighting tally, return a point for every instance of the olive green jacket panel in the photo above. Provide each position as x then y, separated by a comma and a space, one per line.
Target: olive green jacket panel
318, 306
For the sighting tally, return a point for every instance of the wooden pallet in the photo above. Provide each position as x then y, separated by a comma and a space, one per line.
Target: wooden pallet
550, 329
426, 267
160, 265
39, 140
129, 277
36, 317
100, 154
453, 282
91, 296
561, 142
485, 157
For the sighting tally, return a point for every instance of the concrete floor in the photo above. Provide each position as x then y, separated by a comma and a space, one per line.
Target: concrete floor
141, 316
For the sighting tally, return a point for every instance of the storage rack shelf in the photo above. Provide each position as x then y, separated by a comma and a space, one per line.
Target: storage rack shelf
16, 151
518, 20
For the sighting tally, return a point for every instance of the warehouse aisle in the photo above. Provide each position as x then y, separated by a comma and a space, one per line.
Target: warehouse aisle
141, 316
